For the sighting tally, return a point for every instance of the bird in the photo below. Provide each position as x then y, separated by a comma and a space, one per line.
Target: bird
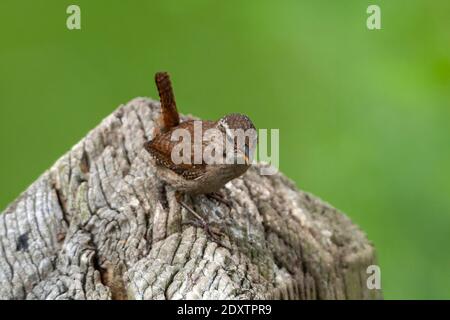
199, 176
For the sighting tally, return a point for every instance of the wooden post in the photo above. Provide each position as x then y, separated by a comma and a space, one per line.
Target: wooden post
99, 225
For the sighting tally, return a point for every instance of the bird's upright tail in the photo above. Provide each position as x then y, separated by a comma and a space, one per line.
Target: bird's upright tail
169, 112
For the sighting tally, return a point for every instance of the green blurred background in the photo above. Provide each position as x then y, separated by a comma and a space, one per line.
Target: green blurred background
363, 115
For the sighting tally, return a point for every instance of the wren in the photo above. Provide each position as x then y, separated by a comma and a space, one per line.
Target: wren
197, 178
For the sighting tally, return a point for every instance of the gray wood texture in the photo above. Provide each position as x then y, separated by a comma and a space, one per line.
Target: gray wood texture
99, 225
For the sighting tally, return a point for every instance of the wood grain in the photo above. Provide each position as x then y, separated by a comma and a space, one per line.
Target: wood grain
99, 225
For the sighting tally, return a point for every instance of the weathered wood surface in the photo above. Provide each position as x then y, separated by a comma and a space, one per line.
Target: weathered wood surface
99, 225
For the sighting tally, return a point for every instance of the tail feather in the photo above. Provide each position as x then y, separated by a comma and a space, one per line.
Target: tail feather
170, 116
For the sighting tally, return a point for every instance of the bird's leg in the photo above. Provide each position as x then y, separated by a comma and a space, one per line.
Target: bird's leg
199, 217
201, 222
219, 197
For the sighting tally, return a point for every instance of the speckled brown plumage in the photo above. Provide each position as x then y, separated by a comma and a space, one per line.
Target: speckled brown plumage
161, 146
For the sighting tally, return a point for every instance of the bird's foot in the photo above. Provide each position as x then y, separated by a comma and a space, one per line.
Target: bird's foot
220, 198
215, 235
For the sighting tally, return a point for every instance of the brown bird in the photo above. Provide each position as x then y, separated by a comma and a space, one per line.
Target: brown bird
202, 177
199, 177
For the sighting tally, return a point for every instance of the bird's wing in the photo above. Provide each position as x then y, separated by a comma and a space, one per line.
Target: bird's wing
160, 148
